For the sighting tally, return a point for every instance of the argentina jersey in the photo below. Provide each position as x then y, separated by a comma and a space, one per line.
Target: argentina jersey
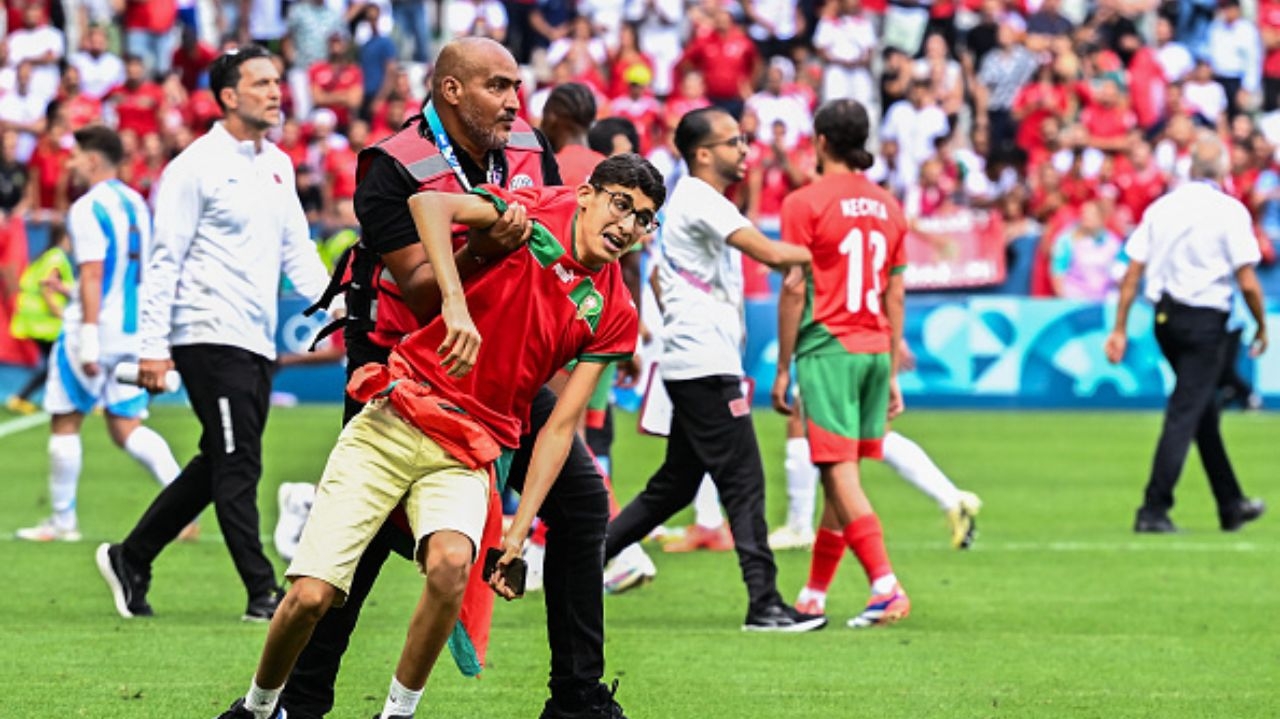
111, 224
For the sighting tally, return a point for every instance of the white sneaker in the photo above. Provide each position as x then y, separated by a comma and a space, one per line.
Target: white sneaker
534, 556
295, 500
630, 569
49, 531
789, 537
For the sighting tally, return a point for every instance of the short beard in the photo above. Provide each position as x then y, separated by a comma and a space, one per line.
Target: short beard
481, 131
258, 124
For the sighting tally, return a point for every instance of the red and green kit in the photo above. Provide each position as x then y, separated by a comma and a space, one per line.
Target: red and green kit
856, 232
537, 310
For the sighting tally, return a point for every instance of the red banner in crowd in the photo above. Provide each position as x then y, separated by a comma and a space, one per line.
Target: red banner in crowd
956, 248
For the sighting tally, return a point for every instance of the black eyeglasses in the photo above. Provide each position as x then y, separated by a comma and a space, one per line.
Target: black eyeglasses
621, 205
743, 140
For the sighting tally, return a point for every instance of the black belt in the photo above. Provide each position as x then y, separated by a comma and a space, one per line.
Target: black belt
1168, 307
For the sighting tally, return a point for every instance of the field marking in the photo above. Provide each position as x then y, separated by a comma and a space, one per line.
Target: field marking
22, 424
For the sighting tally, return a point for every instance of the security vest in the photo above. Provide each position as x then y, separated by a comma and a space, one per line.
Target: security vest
374, 302
32, 317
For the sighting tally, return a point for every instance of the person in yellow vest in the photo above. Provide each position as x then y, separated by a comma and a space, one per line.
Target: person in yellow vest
43, 291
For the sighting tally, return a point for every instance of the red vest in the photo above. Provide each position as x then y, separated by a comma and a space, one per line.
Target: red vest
388, 317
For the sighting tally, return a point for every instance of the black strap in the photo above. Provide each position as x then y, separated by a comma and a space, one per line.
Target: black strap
327, 330
335, 287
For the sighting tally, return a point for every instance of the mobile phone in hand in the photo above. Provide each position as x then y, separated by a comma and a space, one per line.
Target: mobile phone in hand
514, 573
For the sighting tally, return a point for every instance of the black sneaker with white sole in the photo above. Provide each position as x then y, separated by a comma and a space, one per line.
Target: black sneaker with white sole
782, 618
263, 608
128, 586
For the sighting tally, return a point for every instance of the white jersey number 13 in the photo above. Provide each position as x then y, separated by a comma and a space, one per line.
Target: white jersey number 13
852, 247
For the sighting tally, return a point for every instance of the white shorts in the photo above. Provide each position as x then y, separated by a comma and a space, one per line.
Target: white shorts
69, 390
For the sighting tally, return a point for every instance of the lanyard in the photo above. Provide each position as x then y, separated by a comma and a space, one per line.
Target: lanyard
445, 145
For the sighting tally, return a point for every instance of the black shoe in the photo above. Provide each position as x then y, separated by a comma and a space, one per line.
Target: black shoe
1241, 513
128, 586
782, 618
1153, 524
263, 608
238, 711
595, 703
395, 716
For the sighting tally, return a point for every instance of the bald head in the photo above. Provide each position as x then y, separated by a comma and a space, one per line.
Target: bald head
476, 92
1208, 158
468, 57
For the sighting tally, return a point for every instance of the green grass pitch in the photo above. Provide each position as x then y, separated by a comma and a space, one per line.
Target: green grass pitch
1058, 611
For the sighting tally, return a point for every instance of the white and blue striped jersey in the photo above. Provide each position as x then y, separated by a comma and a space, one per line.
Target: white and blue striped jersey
111, 224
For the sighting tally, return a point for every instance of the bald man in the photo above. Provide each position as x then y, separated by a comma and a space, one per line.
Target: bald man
470, 117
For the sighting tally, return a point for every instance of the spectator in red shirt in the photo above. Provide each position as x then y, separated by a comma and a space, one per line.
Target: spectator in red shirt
292, 143
728, 61
780, 169
1269, 25
1139, 181
640, 107
692, 96
626, 57
81, 109
1244, 172
1109, 121
139, 102
48, 165
337, 83
389, 116
200, 111
148, 27
339, 172
192, 58
1045, 97
148, 162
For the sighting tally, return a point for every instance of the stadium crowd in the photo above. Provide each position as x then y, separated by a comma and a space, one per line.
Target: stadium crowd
1065, 120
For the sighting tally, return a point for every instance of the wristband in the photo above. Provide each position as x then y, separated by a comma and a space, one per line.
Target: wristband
89, 350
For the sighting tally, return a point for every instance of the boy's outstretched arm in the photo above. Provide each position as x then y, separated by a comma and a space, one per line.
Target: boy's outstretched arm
434, 214
549, 453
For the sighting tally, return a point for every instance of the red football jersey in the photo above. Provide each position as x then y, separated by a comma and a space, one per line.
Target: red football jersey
857, 232
537, 310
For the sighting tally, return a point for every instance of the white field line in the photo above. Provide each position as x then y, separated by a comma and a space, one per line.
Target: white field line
22, 424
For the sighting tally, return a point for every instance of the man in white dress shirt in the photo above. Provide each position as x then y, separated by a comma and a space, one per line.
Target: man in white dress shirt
1190, 246
228, 223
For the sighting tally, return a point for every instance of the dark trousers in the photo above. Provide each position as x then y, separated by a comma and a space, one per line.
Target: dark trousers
711, 432
576, 512
1231, 86
230, 391
1235, 388
1193, 340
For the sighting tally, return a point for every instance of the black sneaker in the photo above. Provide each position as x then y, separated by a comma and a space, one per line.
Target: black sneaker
782, 618
596, 703
263, 608
1241, 513
128, 587
395, 716
1153, 524
237, 710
